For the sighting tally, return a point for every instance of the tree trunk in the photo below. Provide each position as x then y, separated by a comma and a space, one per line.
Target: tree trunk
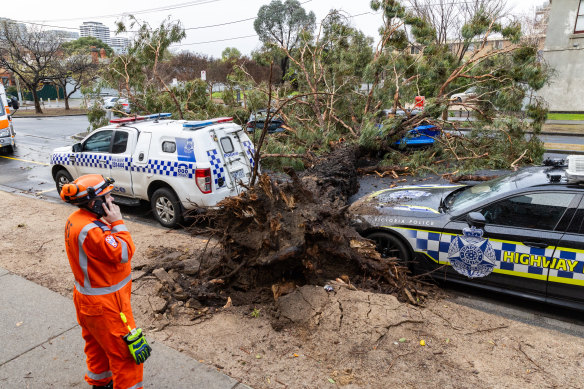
284, 65
66, 98
35, 97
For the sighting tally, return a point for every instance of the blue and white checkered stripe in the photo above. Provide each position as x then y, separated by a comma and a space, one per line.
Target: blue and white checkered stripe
61, 159
436, 246
576, 276
99, 161
167, 168
249, 150
216, 166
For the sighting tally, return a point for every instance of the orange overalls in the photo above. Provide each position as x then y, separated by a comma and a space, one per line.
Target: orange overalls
99, 255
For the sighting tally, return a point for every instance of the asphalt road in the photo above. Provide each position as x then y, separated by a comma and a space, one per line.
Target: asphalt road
28, 171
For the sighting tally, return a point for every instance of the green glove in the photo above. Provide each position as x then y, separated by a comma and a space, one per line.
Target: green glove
139, 347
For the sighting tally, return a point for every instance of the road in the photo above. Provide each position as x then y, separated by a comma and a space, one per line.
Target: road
28, 170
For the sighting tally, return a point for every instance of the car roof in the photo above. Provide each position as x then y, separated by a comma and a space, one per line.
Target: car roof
169, 127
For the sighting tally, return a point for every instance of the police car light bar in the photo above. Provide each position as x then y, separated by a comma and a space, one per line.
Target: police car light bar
575, 171
137, 118
205, 123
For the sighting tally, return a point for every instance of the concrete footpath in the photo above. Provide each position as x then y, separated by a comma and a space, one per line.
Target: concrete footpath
41, 346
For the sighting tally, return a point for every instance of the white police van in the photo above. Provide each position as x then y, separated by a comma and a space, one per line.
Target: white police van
176, 165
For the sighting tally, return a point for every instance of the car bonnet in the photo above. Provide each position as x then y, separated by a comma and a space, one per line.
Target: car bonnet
415, 200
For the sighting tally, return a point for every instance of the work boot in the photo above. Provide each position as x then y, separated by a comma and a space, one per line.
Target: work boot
109, 385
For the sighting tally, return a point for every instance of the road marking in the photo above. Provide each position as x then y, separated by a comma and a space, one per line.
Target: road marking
563, 146
25, 160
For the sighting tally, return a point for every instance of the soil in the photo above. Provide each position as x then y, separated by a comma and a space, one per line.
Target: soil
308, 338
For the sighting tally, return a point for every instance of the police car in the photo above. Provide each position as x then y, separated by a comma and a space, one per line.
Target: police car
176, 165
520, 234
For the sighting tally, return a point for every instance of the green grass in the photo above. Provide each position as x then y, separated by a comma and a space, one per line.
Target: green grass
565, 116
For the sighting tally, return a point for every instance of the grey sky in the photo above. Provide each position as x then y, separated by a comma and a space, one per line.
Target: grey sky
196, 13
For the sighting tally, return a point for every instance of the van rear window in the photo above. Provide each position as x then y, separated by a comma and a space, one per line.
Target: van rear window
227, 145
168, 147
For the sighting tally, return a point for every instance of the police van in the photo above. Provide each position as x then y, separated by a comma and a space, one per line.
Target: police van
7, 141
176, 165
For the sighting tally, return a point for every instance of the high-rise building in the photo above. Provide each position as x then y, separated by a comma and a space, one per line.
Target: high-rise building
97, 30
119, 44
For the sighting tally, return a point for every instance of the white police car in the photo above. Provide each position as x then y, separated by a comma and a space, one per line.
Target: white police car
521, 234
176, 165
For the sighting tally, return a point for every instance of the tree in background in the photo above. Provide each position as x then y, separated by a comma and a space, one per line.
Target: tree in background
230, 54
280, 24
85, 44
31, 55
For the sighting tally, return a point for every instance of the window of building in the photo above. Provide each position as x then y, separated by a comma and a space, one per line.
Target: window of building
498, 45
414, 50
580, 18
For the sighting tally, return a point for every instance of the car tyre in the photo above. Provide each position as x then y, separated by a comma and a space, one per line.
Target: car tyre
166, 208
389, 246
61, 178
458, 100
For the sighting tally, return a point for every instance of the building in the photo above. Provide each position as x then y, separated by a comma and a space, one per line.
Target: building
97, 30
120, 44
564, 52
66, 36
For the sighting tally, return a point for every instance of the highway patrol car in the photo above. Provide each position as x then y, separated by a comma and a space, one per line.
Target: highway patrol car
521, 234
176, 165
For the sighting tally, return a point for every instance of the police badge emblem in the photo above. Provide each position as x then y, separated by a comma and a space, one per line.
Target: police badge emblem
472, 255
189, 146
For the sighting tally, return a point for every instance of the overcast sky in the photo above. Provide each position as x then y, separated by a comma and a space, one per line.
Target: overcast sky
194, 14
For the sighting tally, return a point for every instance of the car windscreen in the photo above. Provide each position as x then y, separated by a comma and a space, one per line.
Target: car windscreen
484, 191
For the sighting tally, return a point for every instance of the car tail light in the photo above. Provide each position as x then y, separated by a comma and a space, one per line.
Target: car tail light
250, 125
203, 179
125, 104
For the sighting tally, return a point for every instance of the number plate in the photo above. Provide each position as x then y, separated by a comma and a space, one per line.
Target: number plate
238, 174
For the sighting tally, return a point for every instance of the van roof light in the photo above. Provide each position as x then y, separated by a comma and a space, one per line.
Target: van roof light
204, 123
140, 118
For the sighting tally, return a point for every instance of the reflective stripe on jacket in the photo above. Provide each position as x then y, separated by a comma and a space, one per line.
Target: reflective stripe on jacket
99, 253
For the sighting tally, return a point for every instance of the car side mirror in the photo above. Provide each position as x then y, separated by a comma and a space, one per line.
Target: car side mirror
77, 148
476, 219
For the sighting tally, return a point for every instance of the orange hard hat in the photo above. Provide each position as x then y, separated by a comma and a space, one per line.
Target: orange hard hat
86, 188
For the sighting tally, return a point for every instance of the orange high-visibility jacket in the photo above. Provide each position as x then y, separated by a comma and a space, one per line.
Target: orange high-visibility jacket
99, 253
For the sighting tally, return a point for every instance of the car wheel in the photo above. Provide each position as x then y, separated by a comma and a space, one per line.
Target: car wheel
166, 208
389, 246
458, 100
61, 178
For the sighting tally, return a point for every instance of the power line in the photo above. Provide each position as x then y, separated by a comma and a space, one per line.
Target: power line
246, 36
158, 9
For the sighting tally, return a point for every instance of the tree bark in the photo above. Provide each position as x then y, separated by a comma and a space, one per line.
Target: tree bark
37, 103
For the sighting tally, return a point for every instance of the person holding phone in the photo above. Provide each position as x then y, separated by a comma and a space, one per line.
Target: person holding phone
100, 248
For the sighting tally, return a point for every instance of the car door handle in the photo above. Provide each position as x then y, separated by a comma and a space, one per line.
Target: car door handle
539, 245
72, 158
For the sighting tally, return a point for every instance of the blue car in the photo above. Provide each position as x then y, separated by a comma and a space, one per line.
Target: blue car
420, 136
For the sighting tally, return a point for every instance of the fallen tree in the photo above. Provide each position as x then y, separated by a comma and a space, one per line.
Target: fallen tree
284, 233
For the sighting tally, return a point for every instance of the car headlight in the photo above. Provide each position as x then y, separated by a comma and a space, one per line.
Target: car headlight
5, 132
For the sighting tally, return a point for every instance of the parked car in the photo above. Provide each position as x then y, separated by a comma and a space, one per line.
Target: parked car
391, 113
7, 134
420, 136
521, 234
112, 102
257, 119
463, 97
175, 165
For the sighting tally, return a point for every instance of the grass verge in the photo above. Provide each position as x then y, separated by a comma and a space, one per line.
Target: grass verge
50, 112
565, 116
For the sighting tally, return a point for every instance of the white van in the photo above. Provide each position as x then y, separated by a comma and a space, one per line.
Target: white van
7, 134
176, 165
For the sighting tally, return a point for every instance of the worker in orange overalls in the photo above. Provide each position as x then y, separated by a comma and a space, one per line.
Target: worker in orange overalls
100, 248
